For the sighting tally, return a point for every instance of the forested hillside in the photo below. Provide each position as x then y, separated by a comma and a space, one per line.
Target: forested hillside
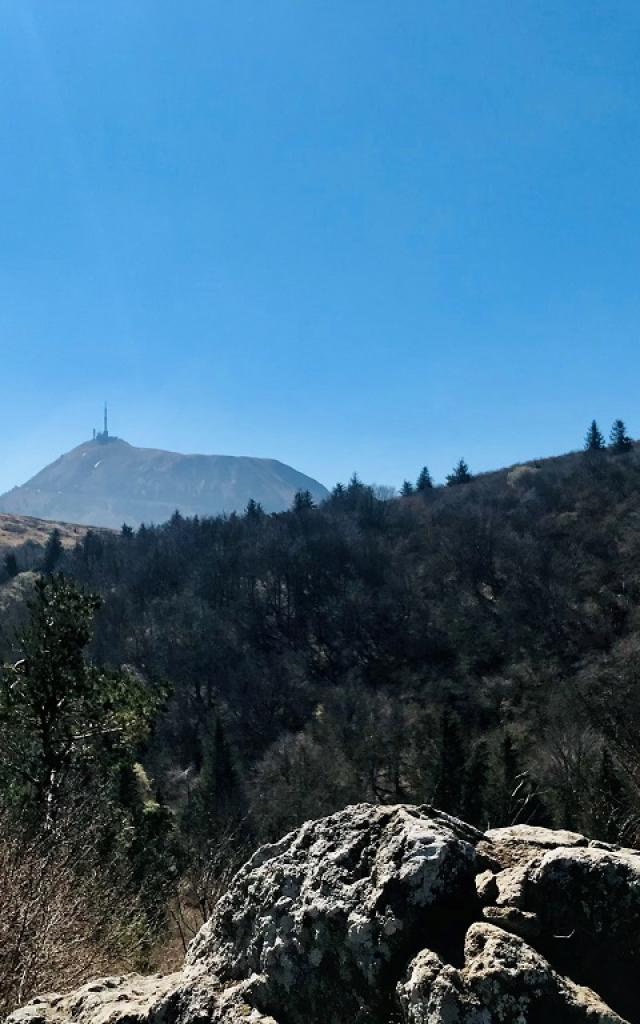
473, 646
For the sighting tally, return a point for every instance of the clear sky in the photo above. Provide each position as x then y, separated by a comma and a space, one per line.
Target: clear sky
348, 234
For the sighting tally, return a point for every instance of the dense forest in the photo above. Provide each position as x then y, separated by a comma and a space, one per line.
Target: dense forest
186, 691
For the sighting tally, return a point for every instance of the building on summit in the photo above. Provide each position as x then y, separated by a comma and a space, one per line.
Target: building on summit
102, 437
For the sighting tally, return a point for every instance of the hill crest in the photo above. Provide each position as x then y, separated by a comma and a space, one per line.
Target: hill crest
107, 481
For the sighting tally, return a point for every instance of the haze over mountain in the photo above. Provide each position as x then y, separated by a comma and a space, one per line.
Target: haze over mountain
106, 482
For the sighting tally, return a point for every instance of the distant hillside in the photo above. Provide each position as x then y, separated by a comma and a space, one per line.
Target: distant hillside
16, 531
473, 646
106, 483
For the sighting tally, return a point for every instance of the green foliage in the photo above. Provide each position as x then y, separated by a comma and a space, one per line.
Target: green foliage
618, 440
459, 475
53, 551
254, 509
450, 771
407, 489
424, 481
336, 648
475, 796
59, 714
594, 439
11, 564
302, 501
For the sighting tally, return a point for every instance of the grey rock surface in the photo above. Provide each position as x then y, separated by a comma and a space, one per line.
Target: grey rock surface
378, 915
503, 981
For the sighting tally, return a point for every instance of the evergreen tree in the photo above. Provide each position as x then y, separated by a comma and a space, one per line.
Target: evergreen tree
254, 510
11, 564
52, 552
58, 713
460, 475
302, 501
355, 484
407, 489
474, 785
217, 797
515, 798
448, 785
618, 440
594, 440
609, 805
424, 481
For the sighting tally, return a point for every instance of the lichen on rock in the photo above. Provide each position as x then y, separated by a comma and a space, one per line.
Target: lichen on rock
403, 914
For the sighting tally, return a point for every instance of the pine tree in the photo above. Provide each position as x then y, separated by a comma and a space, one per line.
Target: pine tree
424, 481
52, 552
254, 510
355, 484
407, 489
618, 440
474, 785
448, 785
594, 440
58, 713
302, 501
11, 564
460, 475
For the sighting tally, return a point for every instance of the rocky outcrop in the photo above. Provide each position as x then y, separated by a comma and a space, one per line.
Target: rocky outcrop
503, 979
377, 915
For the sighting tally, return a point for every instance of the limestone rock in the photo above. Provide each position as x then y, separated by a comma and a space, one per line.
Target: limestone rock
329, 911
381, 914
126, 997
588, 903
503, 981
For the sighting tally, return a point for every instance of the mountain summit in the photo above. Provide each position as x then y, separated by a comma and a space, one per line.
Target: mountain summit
106, 481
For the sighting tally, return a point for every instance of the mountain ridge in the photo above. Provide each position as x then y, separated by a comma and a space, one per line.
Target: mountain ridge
107, 481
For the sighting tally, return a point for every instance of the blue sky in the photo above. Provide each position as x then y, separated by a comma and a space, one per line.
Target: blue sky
348, 234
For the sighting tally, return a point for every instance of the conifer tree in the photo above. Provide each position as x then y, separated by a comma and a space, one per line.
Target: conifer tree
53, 551
424, 481
11, 564
254, 510
407, 489
594, 440
355, 484
460, 475
302, 500
58, 712
474, 784
618, 440
448, 783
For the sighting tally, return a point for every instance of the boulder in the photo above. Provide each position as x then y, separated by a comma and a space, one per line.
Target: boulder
400, 913
503, 981
332, 911
588, 905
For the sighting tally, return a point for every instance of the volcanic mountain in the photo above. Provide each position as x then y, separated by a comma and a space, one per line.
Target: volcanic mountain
108, 482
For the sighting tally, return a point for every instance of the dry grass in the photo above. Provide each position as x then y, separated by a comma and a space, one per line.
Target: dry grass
62, 921
18, 530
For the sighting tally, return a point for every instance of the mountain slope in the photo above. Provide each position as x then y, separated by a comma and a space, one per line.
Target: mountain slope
107, 483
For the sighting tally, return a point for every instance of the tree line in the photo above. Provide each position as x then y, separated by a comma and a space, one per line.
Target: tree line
177, 694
